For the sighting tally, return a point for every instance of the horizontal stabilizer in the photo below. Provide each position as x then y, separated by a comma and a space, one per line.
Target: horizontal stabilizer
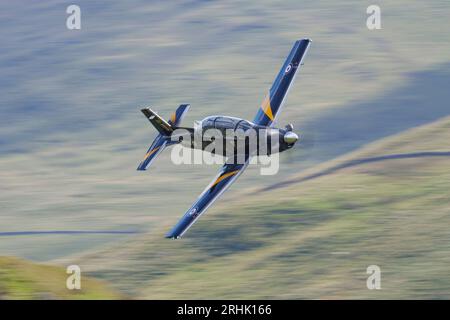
158, 145
159, 123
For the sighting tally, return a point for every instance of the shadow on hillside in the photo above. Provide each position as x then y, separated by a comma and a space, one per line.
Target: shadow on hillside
357, 162
423, 99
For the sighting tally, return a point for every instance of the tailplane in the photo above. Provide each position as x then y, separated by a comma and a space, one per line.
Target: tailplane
165, 129
159, 123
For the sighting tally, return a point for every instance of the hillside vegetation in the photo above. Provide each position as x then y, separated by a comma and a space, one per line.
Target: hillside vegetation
20, 279
72, 134
312, 236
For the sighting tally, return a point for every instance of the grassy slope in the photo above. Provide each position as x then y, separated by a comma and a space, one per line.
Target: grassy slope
72, 134
20, 279
313, 239
206, 56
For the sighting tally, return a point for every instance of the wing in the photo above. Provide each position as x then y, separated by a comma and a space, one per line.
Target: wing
273, 102
227, 175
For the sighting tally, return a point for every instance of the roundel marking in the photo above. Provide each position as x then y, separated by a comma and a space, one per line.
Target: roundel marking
288, 68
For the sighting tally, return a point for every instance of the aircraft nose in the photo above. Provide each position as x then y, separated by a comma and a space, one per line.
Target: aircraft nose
290, 137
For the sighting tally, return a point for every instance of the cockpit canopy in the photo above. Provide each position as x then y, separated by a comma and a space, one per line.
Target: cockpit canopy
223, 123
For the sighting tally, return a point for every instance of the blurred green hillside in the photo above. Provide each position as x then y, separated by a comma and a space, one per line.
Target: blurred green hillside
20, 279
311, 236
361, 189
71, 134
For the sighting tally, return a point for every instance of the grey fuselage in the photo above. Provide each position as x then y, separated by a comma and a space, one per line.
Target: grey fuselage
229, 135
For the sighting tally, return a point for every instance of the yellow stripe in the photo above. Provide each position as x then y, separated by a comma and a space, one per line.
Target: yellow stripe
267, 108
173, 117
148, 154
226, 175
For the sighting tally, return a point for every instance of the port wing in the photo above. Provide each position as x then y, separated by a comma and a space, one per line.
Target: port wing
275, 98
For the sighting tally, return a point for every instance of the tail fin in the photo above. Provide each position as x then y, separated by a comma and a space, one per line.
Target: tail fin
178, 115
165, 129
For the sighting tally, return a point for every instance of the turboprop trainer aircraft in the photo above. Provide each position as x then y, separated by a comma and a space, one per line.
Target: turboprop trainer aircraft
262, 124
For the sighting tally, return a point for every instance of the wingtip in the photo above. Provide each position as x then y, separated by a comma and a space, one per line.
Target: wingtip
172, 234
